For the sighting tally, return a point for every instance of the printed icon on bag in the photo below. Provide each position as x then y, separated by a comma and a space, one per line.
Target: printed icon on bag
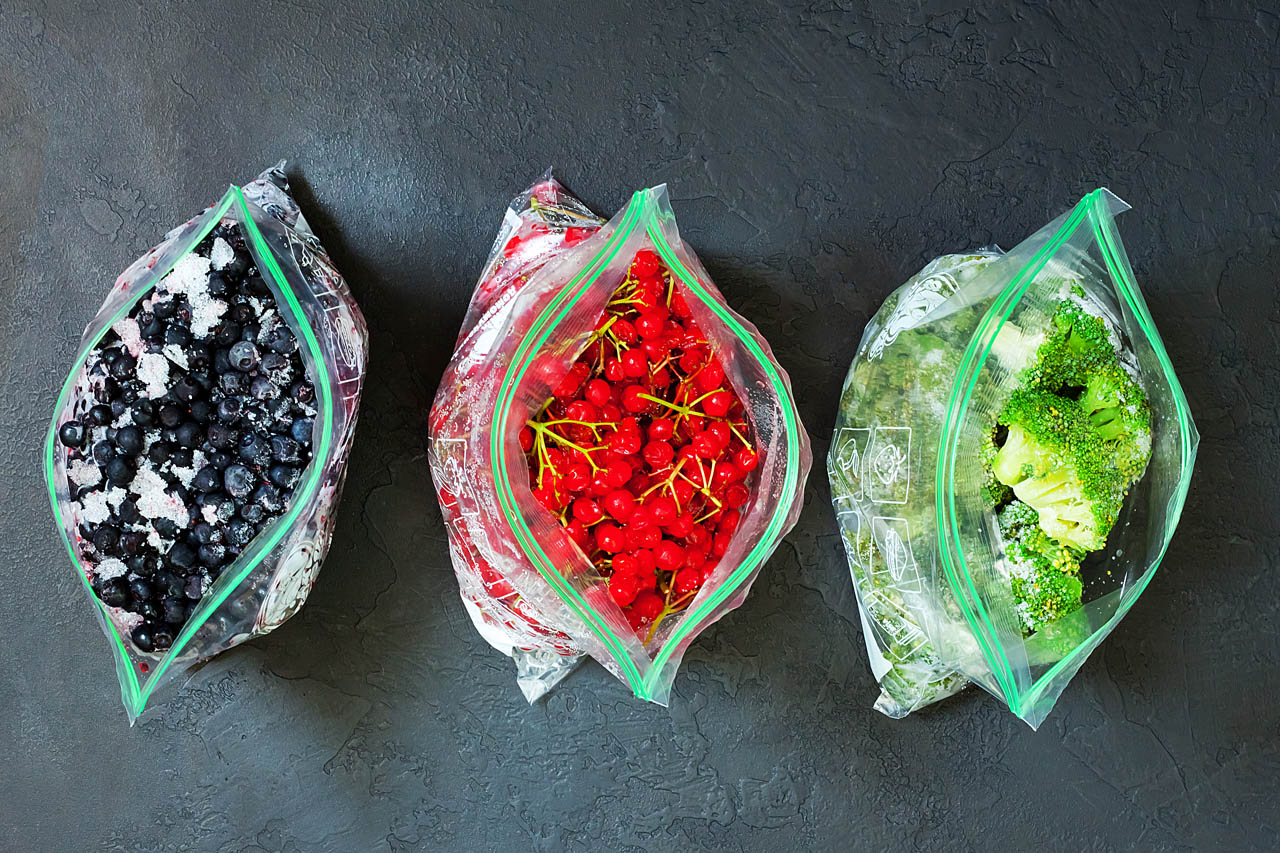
897, 571
853, 524
889, 462
893, 535
851, 444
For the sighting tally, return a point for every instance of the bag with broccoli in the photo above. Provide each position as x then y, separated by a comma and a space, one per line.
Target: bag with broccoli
1009, 463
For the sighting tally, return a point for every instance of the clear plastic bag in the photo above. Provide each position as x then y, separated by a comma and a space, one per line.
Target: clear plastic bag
519, 573
936, 363
271, 577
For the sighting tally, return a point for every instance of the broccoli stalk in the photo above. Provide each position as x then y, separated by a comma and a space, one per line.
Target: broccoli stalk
1045, 574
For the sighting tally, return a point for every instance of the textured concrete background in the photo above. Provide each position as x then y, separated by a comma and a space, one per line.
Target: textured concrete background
818, 154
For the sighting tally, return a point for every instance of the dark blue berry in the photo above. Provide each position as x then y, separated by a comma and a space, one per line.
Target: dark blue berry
105, 539
212, 555
243, 356
229, 409
162, 638
262, 389
238, 481
129, 439
103, 453
207, 479
114, 592
131, 541
142, 638
170, 415
221, 436
301, 430
253, 513
189, 434
174, 611
176, 334
240, 533
71, 434
283, 476
100, 414
285, 449
141, 589
180, 556
119, 471
143, 413
201, 411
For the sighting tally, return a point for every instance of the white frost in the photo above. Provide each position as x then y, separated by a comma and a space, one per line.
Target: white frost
153, 501
174, 353
110, 568
130, 335
221, 254
153, 370
84, 473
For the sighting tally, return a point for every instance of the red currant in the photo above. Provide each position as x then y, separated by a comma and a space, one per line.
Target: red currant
717, 405
620, 504
645, 264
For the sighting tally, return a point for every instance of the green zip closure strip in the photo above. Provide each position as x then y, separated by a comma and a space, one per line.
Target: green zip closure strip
641, 686
135, 697
970, 366
1093, 206
1109, 242
502, 482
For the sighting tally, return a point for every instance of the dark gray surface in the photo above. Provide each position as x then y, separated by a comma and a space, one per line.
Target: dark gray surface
817, 155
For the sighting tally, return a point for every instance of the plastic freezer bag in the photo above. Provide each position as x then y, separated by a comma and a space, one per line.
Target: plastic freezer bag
530, 589
196, 497
948, 590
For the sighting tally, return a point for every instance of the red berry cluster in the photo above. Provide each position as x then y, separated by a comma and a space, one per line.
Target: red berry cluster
643, 451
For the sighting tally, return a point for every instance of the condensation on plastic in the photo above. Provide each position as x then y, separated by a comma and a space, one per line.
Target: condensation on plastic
934, 367
521, 577
272, 577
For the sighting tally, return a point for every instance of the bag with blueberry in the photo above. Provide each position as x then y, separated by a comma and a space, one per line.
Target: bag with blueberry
199, 444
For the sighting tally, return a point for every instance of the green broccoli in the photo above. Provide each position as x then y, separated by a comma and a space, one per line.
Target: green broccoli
1046, 575
1121, 415
1055, 461
1076, 345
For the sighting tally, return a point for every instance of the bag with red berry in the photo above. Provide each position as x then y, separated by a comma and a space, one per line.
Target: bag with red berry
616, 451
199, 444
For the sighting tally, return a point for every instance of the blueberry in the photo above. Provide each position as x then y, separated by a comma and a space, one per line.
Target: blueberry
262, 389
153, 331
233, 383
252, 447
176, 334
127, 512
190, 435
240, 533
163, 310
119, 471
158, 453
111, 356
174, 611
143, 413
146, 609
268, 496
285, 449
142, 638
212, 555
242, 313
249, 333
219, 459
100, 414
131, 541
165, 527
283, 476
207, 479
238, 481
180, 556
303, 392
118, 407
129, 393
252, 513
201, 411
254, 285
170, 585
123, 367
203, 378
129, 440
205, 533
183, 457
170, 415
71, 434
192, 588
141, 589
103, 453
221, 359
162, 638
221, 436
105, 538
282, 341
274, 361
217, 284
301, 430
243, 356
137, 564
226, 510
185, 389
114, 592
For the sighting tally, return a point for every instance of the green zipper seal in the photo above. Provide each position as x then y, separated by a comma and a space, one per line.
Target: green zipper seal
1092, 206
134, 695
638, 209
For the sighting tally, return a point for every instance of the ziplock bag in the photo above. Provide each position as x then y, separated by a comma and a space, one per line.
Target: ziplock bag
935, 368
272, 574
526, 584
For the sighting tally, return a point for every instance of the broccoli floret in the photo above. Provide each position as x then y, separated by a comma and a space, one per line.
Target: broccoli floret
1076, 345
1055, 461
1046, 575
996, 492
1121, 415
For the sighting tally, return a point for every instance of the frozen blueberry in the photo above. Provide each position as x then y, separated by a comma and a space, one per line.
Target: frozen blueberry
162, 638
229, 409
129, 440
252, 513
118, 407
243, 356
158, 453
262, 389
123, 367
302, 392
165, 527
119, 471
285, 449
180, 556
212, 555
284, 476
143, 639
176, 334
114, 592
242, 313
240, 533
170, 415
221, 436
163, 310
219, 459
127, 512
233, 383
189, 434
146, 609
301, 430
254, 449
185, 389
103, 453
207, 479
143, 413
174, 611
192, 589
282, 341
141, 589
226, 510
183, 457
105, 539
100, 414
131, 541
268, 496
71, 434
217, 284
238, 481
129, 393
201, 411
